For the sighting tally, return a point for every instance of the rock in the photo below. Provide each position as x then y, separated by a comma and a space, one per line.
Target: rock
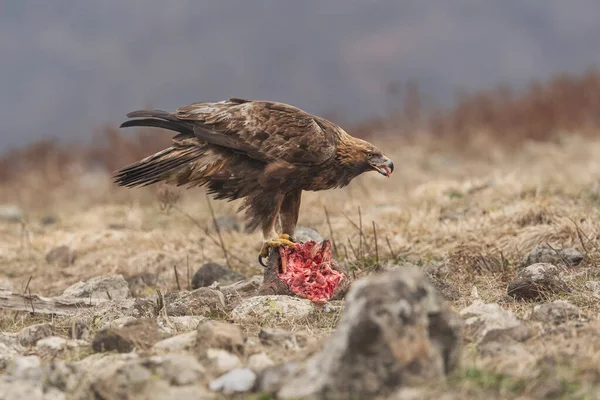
395, 331
50, 346
48, 220
222, 361
7, 355
111, 287
184, 342
184, 323
54, 346
537, 281
20, 390
304, 234
202, 301
239, 291
219, 335
26, 368
62, 255
259, 362
176, 369
109, 312
139, 334
544, 254
10, 213
226, 223
271, 379
213, 272
481, 319
275, 308
572, 256
30, 335
237, 381
142, 284
556, 313
593, 286
274, 337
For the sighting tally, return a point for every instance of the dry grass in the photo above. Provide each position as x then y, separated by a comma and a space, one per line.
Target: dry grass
479, 211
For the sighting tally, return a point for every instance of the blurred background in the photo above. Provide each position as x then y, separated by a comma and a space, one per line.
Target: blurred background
70, 67
452, 78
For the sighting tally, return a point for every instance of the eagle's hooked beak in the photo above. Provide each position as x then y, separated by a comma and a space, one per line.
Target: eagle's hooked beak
383, 165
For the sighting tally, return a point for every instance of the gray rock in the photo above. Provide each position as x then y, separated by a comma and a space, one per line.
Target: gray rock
107, 312
22, 390
55, 346
238, 292
226, 223
481, 319
593, 286
30, 335
184, 323
142, 284
177, 369
304, 234
239, 380
50, 346
121, 376
222, 361
138, 334
48, 220
26, 368
395, 331
219, 335
61, 255
111, 287
213, 272
272, 309
203, 301
544, 254
7, 355
259, 362
536, 281
10, 213
275, 337
556, 313
179, 343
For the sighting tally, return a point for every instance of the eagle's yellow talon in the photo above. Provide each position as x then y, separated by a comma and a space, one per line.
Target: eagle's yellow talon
282, 240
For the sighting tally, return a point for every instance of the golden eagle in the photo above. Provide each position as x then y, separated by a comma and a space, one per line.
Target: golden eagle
264, 152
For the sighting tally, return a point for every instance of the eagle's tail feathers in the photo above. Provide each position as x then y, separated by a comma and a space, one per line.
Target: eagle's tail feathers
157, 119
161, 166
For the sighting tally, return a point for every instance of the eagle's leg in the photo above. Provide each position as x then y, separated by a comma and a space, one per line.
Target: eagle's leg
288, 214
290, 209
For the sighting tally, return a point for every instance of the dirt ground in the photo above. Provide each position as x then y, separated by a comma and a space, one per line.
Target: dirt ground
478, 212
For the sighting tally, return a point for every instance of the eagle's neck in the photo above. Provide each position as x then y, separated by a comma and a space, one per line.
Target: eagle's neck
349, 159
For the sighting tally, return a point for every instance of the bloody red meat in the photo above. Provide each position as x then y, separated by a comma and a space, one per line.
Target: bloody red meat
307, 270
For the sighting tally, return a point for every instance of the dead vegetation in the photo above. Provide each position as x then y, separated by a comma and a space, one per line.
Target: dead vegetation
484, 184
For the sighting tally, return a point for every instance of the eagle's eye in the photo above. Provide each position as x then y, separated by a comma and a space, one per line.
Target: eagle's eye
370, 154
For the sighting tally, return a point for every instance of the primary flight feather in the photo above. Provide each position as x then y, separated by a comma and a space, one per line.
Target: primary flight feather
264, 152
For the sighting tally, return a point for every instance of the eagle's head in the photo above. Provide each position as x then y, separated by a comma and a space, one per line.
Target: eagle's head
358, 156
377, 161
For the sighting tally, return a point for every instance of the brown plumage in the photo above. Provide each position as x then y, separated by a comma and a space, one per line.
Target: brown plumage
264, 152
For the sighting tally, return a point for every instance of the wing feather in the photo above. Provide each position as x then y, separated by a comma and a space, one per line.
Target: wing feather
266, 131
